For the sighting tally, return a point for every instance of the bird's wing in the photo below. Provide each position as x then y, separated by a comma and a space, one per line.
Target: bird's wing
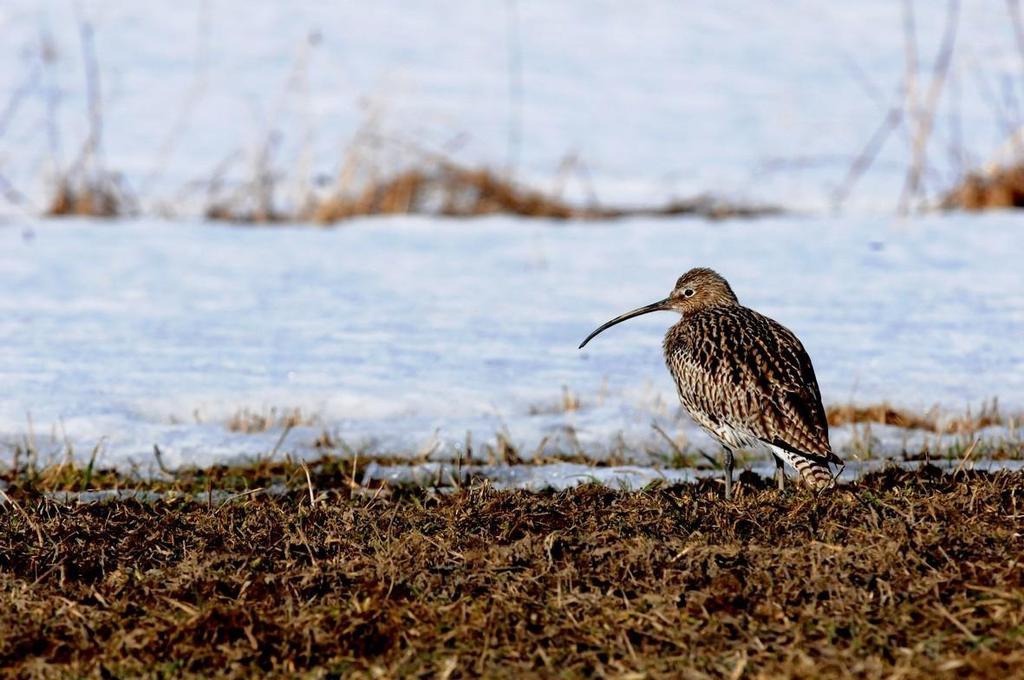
762, 382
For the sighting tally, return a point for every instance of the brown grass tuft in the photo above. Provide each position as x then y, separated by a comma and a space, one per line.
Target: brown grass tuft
883, 414
1000, 189
931, 421
249, 422
87, 199
449, 189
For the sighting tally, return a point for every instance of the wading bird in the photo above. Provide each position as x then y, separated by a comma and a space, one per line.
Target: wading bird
743, 377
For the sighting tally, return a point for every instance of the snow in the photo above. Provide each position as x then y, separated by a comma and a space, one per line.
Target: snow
401, 335
409, 334
559, 476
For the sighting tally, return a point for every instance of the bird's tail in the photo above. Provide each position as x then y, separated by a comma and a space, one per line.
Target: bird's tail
816, 475
816, 471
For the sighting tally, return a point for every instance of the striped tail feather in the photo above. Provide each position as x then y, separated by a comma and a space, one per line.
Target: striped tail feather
815, 473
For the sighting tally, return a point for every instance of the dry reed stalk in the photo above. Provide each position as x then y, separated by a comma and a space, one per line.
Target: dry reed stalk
923, 119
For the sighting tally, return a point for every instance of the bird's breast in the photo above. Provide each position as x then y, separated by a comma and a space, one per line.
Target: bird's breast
693, 356
685, 371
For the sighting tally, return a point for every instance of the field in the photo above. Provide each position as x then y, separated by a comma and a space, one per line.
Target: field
902, 574
291, 302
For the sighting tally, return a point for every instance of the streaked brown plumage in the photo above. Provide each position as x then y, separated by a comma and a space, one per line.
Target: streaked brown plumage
743, 377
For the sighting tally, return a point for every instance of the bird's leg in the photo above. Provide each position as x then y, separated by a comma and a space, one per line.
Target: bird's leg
780, 473
728, 472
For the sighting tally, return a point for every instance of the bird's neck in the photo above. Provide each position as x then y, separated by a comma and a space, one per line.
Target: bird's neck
709, 309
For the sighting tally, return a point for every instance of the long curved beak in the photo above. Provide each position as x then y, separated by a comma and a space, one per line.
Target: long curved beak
659, 306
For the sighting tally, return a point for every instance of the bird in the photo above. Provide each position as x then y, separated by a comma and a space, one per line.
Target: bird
744, 378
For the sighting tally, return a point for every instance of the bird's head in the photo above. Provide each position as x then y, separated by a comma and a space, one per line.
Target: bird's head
697, 289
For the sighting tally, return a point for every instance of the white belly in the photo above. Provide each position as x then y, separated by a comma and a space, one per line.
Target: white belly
738, 439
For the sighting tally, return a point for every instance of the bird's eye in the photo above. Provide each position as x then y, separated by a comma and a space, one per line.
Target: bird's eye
688, 292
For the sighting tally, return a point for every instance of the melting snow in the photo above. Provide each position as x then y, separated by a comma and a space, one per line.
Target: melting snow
404, 334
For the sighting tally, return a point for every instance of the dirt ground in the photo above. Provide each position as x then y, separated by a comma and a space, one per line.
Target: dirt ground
904, 574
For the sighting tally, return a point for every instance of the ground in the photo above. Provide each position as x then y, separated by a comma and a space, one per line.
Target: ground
902, 573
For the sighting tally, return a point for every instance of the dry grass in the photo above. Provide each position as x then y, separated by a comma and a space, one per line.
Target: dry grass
908, 574
87, 200
1000, 189
377, 174
249, 422
191, 482
930, 421
446, 188
883, 414
569, 403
